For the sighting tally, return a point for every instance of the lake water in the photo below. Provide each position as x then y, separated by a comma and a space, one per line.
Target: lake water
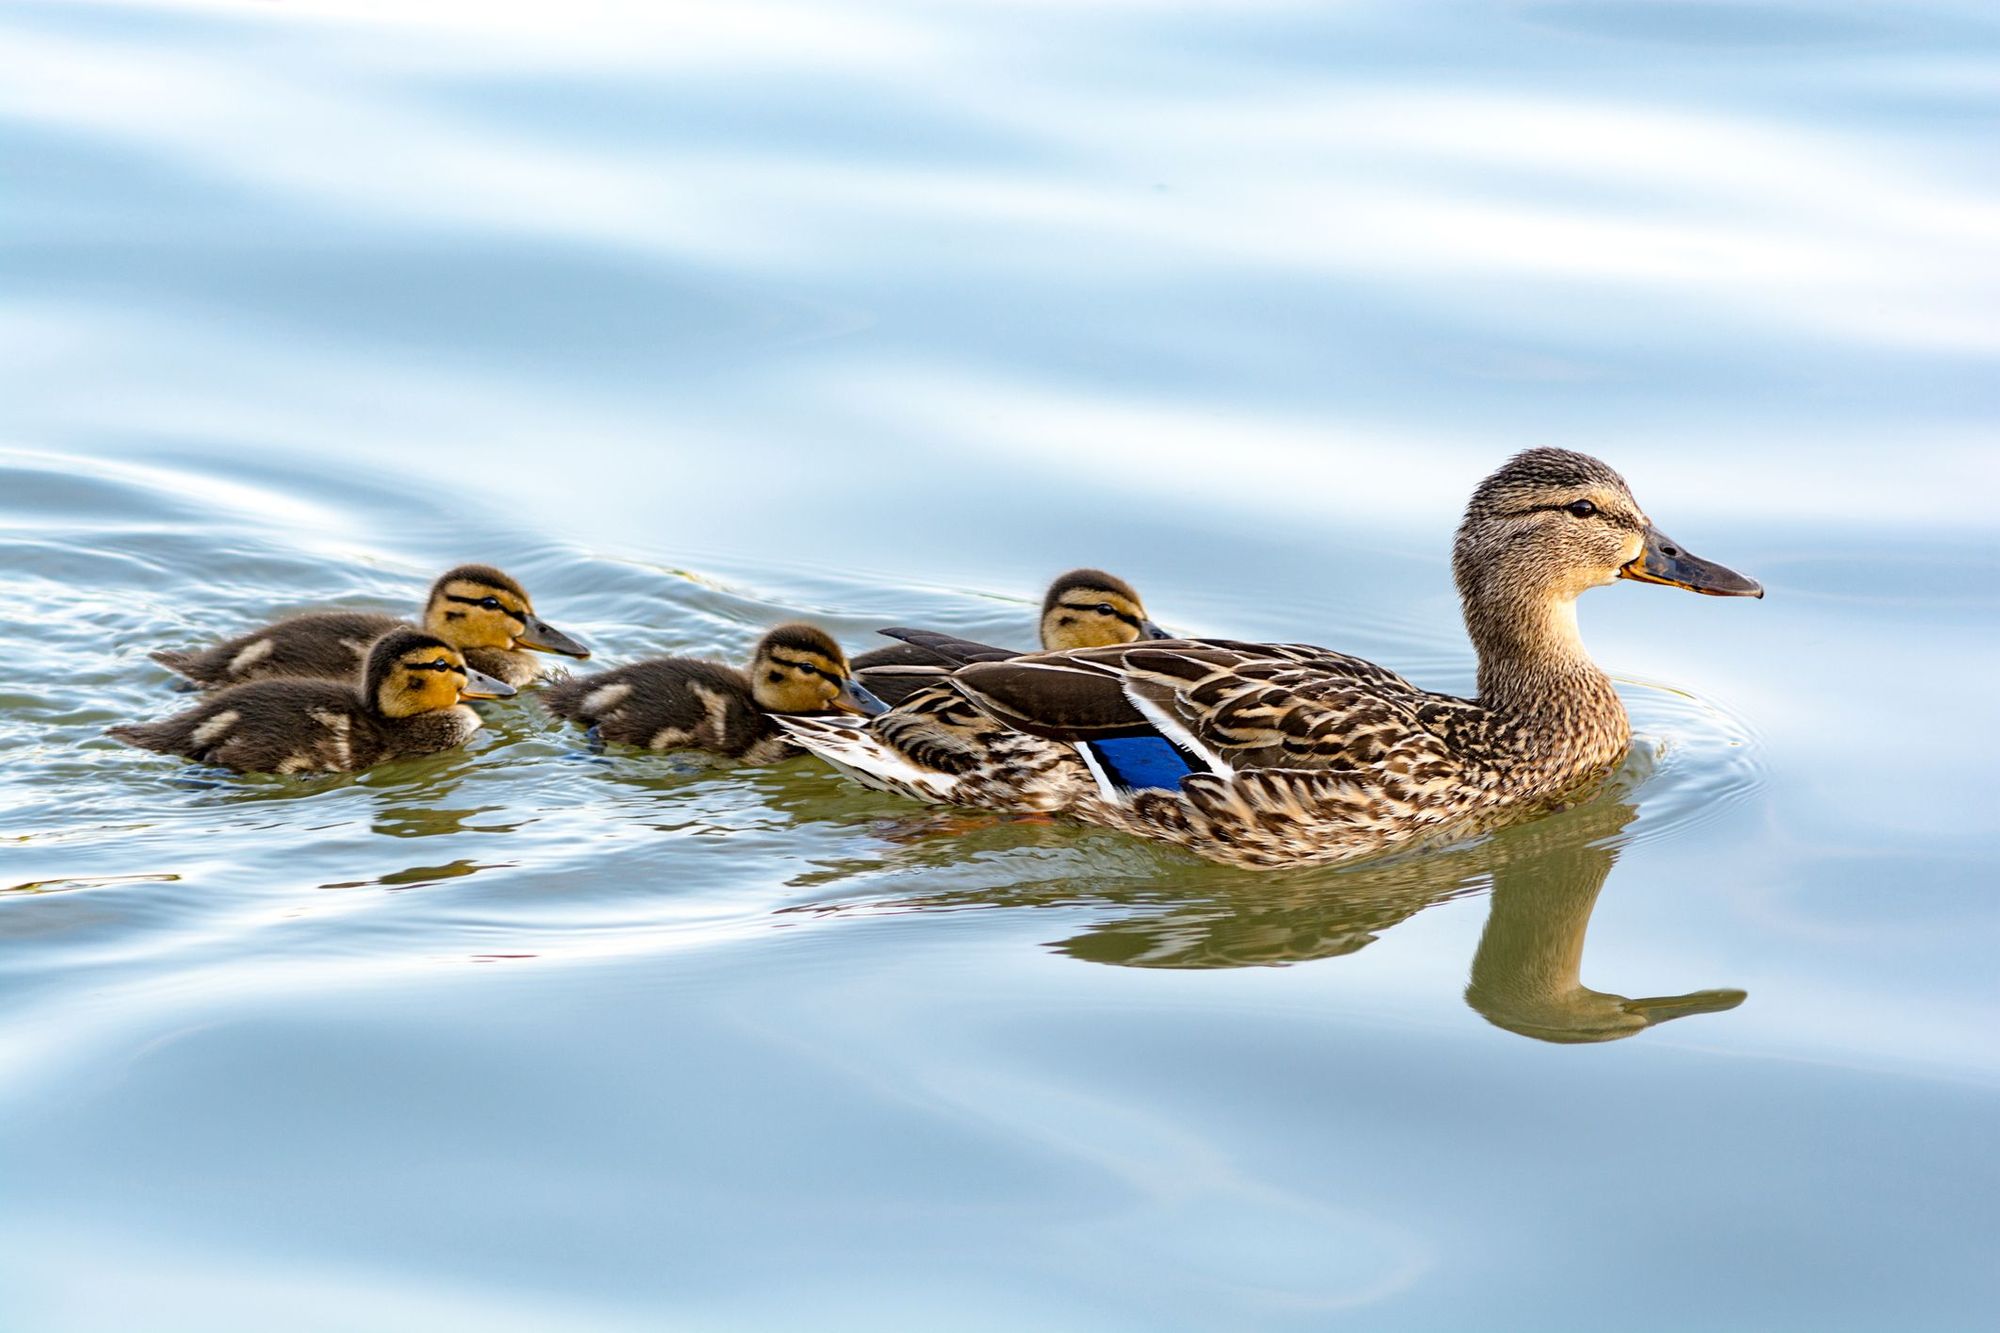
703, 315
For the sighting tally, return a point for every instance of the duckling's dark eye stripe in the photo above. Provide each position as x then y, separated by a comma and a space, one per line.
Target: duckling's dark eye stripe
481, 601
809, 667
1091, 607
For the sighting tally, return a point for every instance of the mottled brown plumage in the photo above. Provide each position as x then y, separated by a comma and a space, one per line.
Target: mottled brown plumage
1302, 756
1084, 608
407, 703
673, 703
480, 611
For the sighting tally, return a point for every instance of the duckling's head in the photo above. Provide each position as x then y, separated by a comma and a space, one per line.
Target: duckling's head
799, 669
1552, 523
410, 671
1088, 608
477, 606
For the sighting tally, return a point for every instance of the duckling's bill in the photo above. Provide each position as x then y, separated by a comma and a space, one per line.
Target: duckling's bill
543, 637
854, 698
479, 685
1666, 561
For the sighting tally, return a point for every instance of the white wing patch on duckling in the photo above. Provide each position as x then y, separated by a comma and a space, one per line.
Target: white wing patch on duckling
250, 655
716, 720
213, 730
338, 729
604, 698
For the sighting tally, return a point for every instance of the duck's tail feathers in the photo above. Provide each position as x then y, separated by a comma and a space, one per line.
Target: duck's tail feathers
145, 735
177, 660
848, 745
564, 698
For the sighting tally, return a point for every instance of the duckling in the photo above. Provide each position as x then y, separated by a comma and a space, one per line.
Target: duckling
671, 703
408, 703
478, 610
1085, 608
1264, 755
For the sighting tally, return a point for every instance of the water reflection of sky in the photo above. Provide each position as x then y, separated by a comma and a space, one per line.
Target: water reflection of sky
1365, 244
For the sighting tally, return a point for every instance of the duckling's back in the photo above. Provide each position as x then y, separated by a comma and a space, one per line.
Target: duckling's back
270, 726
322, 645
671, 703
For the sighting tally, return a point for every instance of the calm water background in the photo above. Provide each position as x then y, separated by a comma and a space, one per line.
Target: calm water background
701, 315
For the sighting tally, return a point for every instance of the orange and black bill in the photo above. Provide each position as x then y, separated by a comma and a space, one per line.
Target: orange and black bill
1667, 561
543, 637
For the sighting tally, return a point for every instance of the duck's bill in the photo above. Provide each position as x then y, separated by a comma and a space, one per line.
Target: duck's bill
543, 637
1667, 561
1666, 1008
479, 685
855, 699
1149, 630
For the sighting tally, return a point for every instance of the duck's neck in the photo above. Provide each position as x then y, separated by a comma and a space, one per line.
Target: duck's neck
1533, 670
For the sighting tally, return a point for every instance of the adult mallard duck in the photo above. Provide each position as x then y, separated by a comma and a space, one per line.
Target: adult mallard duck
1265, 755
407, 703
674, 703
478, 610
1085, 608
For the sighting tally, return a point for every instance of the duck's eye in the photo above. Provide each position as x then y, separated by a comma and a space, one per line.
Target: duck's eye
490, 603
1582, 508
1106, 609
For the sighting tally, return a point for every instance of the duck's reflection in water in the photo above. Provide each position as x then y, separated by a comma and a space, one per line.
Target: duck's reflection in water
1545, 876
1526, 971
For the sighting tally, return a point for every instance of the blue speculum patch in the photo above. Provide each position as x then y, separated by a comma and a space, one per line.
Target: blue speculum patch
1136, 763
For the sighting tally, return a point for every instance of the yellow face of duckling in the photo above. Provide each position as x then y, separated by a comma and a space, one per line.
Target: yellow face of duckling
1088, 608
476, 606
411, 673
1552, 523
799, 669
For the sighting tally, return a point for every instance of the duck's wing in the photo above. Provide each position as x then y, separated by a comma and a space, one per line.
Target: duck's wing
895, 655
899, 672
926, 647
1232, 706
896, 685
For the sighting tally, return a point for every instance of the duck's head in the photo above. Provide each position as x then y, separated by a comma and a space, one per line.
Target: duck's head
1088, 608
1551, 523
410, 671
800, 669
477, 606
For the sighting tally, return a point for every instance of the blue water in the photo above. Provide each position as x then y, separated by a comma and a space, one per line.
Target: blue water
701, 316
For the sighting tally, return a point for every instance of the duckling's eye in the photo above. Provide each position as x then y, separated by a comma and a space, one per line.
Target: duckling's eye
1582, 508
490, 603
1106, 609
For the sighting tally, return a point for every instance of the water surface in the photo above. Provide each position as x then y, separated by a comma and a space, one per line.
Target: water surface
702, 316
